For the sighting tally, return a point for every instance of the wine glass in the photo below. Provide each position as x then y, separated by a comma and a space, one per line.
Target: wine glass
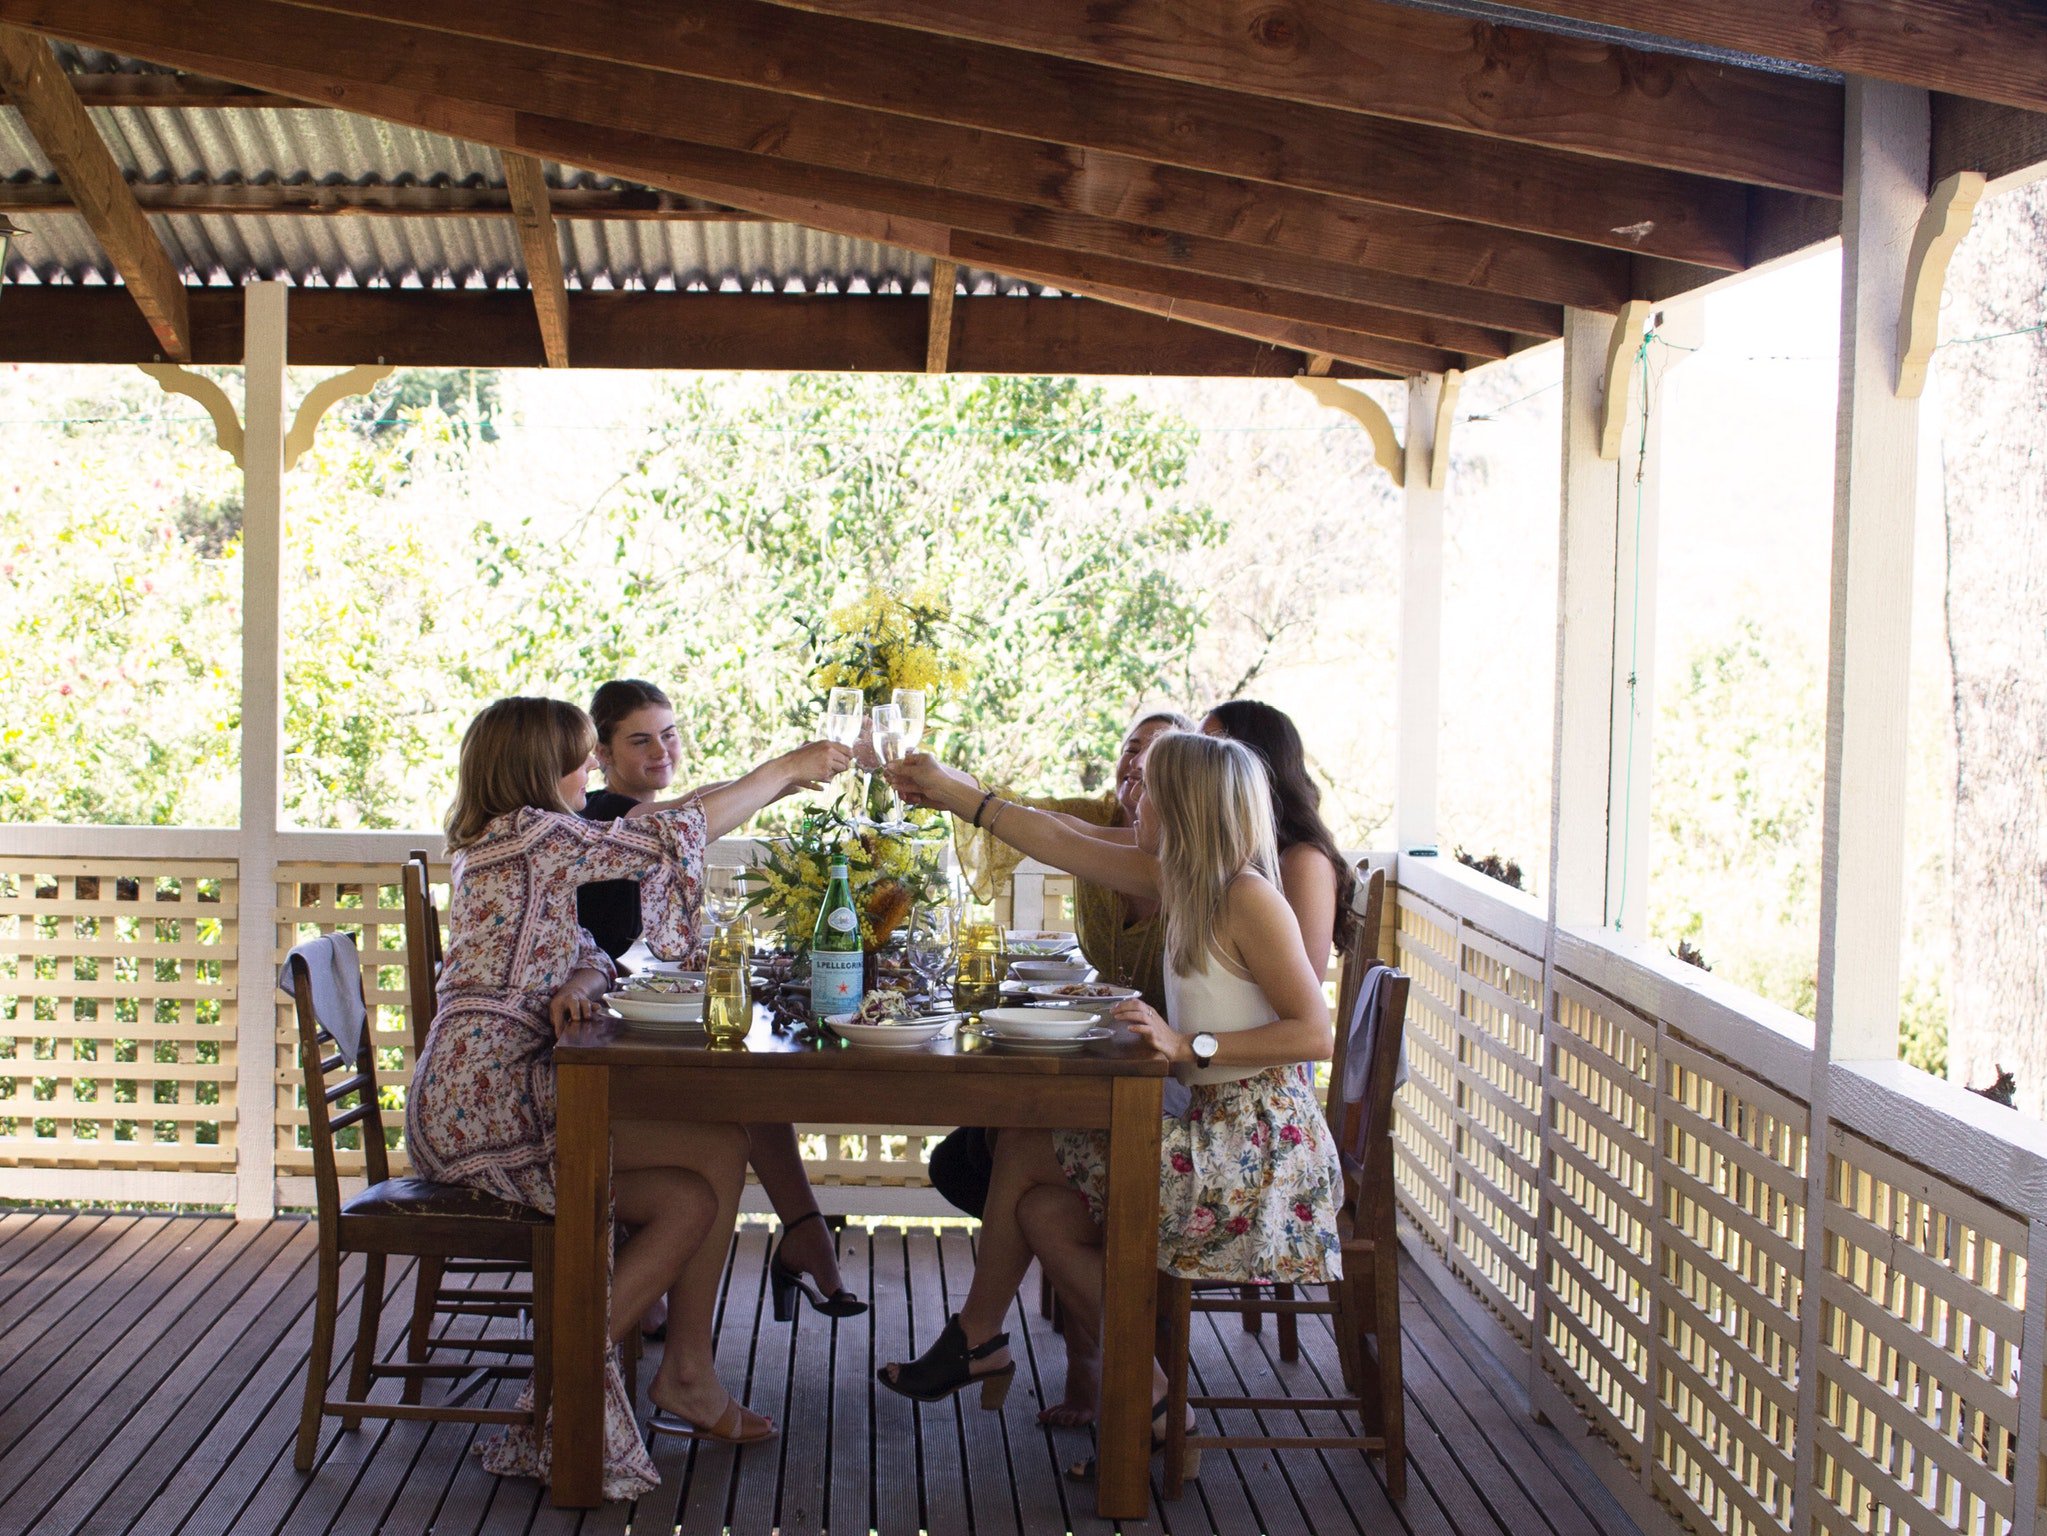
724, 893
911, 702
843, 713
930, 949
887, 722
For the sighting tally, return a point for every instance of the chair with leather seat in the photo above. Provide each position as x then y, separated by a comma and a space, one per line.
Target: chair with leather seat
410, 1218
433, 1297
1360, 954
1364, 1306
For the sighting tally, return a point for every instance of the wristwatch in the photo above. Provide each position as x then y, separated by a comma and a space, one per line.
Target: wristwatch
1203, 1048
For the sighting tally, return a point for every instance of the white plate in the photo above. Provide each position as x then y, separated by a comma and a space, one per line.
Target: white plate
1039, 1023
657, 1008
1050, 993
890, 1037
1031, 1043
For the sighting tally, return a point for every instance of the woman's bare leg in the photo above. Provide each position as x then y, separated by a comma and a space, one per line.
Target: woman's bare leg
777, 1163
1068, 1244
687, 1382
1023, 1160
670, 1211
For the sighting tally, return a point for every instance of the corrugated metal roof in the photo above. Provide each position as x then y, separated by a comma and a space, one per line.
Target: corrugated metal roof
257, 145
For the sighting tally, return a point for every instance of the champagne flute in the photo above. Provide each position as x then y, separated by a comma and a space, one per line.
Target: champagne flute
843, 712
911, 702
888, 746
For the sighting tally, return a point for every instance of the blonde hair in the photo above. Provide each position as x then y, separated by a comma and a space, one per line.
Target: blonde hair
516, 753
1214, 816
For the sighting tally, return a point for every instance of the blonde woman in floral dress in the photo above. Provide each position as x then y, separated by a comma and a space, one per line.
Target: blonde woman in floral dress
481, 1110
1249, 1184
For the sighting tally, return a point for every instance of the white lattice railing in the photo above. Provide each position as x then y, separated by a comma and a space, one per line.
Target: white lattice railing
118, 979
1616, 1168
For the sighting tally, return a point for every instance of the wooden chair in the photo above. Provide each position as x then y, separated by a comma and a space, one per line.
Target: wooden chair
432, 1296
392, 1217
1360, 954
1364, 1307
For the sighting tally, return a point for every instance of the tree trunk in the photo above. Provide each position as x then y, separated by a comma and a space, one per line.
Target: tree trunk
1994, 393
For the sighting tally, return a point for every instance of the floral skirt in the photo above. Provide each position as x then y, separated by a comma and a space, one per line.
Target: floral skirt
481, 1113
1249, 1184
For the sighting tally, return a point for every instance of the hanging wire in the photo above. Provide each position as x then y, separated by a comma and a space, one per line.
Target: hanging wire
1635, 617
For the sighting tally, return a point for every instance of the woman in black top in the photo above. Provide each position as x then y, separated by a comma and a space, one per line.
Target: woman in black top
638, 748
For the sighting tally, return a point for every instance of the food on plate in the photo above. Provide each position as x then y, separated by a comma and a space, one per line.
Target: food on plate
884, 1006
665, 986
1088, 989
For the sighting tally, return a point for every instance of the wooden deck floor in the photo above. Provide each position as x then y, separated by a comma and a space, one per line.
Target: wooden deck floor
150, 1372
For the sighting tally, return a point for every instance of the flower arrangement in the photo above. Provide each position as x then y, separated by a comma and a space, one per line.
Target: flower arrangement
881, 642
877, 643
892, 871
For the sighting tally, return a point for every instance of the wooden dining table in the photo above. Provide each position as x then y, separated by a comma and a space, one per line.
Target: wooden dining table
607, 1072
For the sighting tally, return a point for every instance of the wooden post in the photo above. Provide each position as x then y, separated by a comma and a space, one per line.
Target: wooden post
1418, 707
262, 749
1587, 548
1637, 541
1862, 838
1876, 468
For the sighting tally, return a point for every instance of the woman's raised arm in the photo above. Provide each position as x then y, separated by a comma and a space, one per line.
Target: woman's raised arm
1046, 836
730, 805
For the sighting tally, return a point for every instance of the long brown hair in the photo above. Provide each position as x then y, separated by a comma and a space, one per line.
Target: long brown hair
1210, 799
515, 753
1296, 798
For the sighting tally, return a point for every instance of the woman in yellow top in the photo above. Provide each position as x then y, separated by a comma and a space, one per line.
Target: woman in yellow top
1121, 936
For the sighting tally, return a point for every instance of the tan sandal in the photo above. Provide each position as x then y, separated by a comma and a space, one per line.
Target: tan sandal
725, 1432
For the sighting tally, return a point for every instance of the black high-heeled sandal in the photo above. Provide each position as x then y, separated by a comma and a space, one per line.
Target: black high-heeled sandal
948, 1367
785, 1282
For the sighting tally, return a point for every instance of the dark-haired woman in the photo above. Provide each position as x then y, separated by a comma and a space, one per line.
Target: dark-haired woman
1313, 876
639, 748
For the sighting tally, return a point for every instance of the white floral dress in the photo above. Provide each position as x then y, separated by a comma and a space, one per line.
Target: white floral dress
1249, 1182
481, 1110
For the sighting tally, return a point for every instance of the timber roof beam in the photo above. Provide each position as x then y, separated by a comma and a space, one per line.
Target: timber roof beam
38, 89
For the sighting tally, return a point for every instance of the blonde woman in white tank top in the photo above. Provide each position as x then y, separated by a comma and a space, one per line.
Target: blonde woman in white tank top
1249, 1184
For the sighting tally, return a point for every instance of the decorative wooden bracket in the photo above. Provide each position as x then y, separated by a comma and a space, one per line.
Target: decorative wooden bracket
1368, 414
1941, 227
1439, 439
176, 379
173, 379
359, 380
1629, 327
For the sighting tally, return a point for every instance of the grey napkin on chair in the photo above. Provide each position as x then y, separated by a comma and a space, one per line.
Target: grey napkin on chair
335, 970
1357, 1058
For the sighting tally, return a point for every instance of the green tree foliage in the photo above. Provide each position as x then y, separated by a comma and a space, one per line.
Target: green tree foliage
120, 589
1740, 748
422, 578
1043, 513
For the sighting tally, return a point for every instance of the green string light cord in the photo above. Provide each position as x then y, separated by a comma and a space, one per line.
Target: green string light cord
1635, 617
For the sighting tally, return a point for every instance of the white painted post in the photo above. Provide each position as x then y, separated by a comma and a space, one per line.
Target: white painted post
1637, 542
1862, 839
1587, 549
1876, 468
1418, 695
264, 314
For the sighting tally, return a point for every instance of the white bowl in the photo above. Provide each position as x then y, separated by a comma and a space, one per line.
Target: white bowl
1039, 1023
890, 1037
657, 1008
1038, 941
1051, 970
1051, 993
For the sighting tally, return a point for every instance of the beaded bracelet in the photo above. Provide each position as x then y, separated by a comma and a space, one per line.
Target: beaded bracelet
981, 809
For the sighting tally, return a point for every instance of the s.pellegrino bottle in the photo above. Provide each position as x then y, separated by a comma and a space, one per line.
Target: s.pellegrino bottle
837, 963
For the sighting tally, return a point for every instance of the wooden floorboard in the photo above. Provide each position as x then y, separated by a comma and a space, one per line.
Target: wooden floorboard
152, 1370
